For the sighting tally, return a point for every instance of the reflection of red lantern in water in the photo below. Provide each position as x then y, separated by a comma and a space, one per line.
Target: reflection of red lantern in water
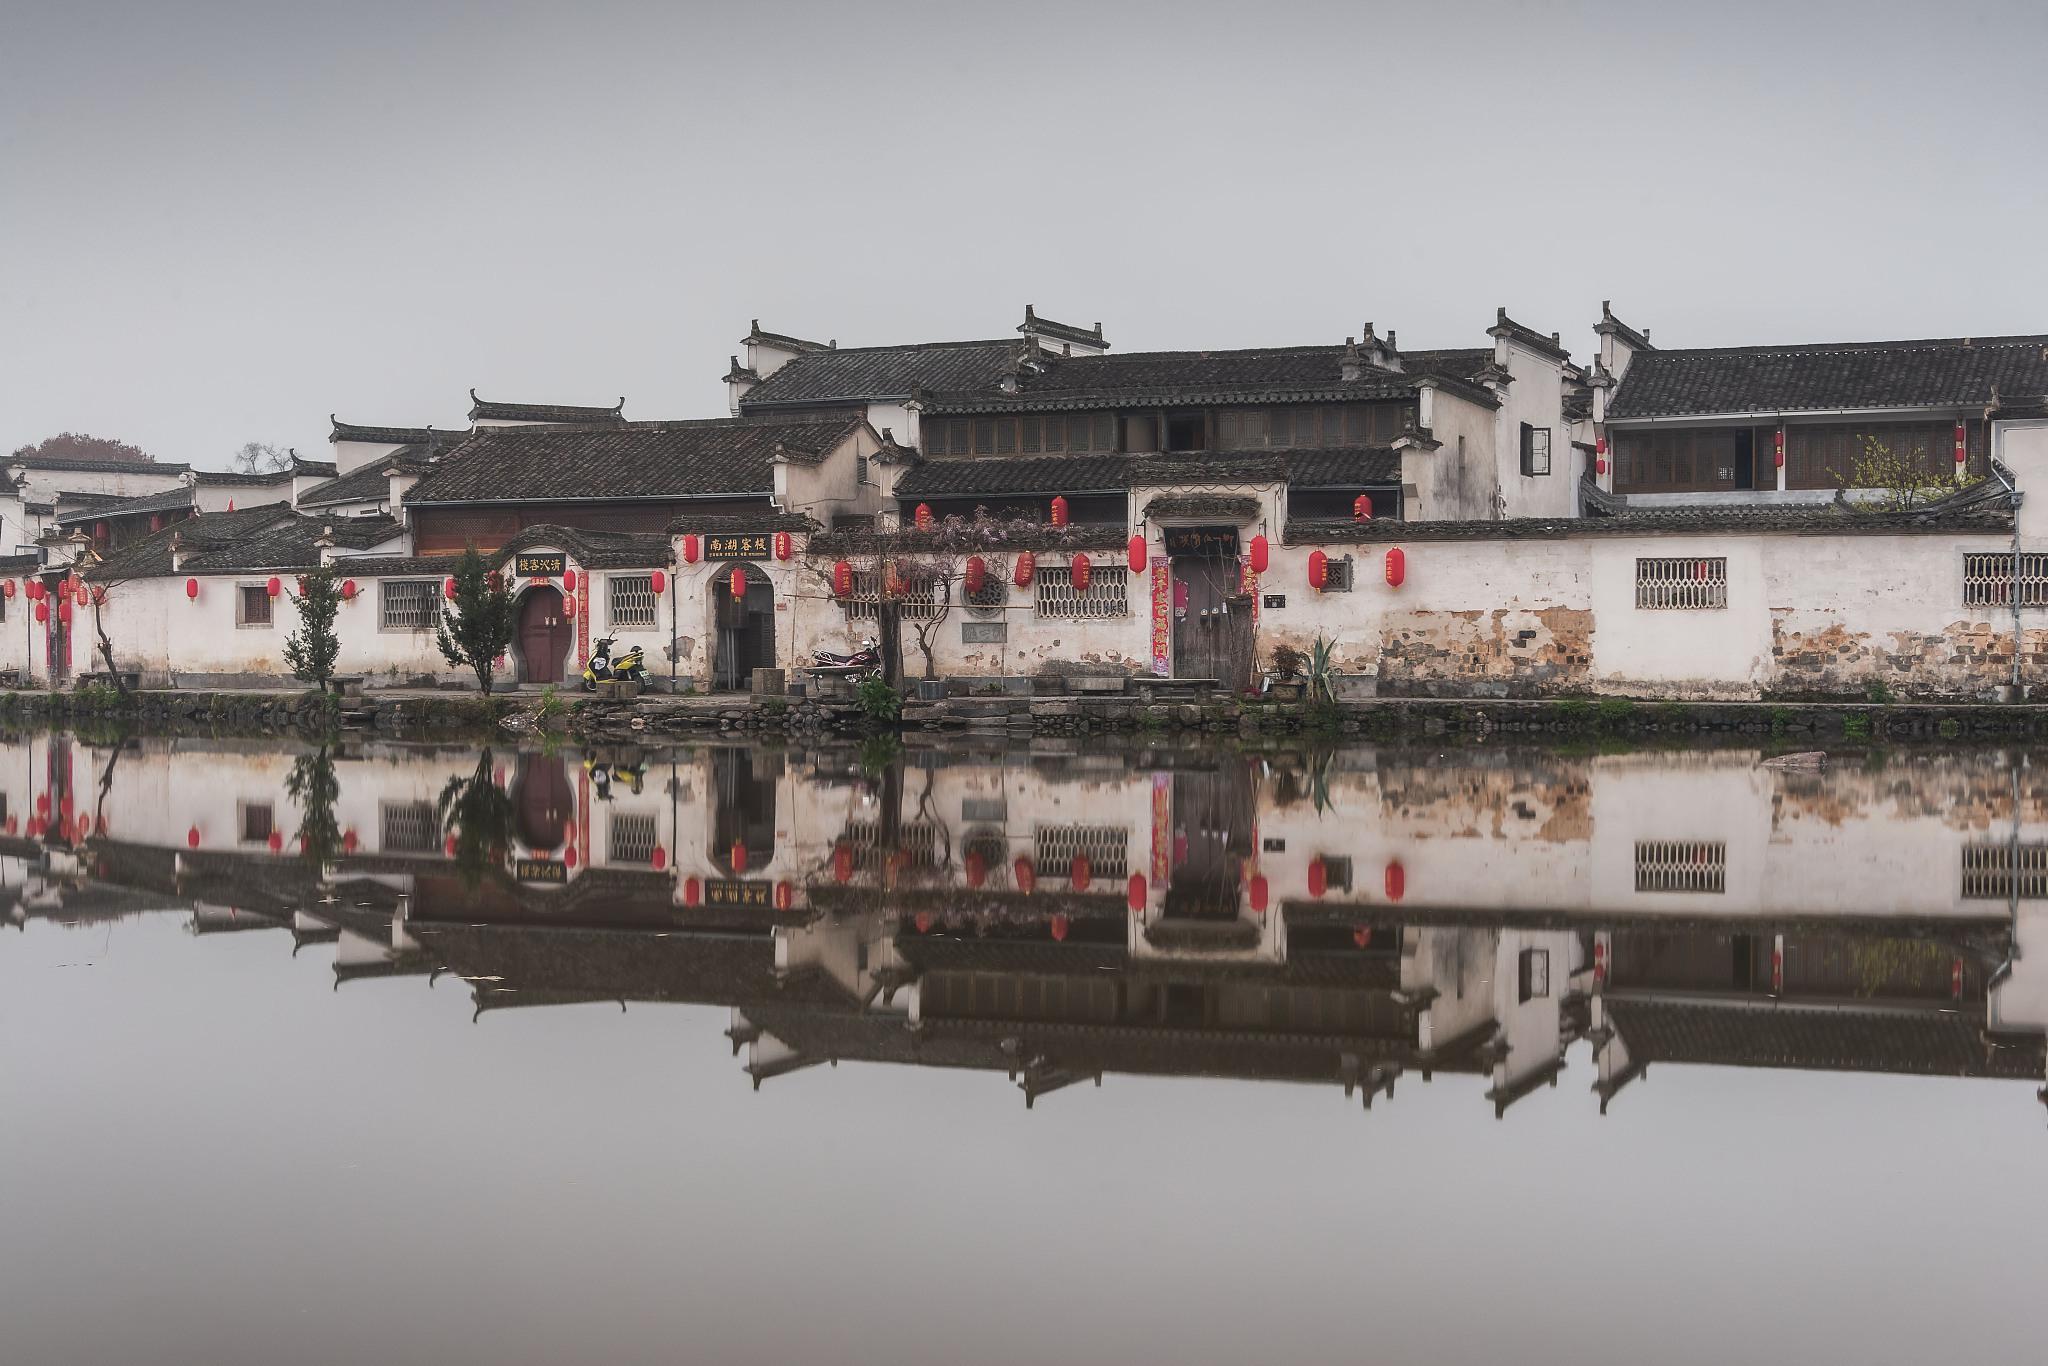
1318, 877
1060, 925
192, 838
1258, 893
842, 862
738, 857
1397, 880
276, 841
1361, 937
977, 868
1023, 874
348, 841
693, 891
924, 922
1134, 892
1080, 873
785, 897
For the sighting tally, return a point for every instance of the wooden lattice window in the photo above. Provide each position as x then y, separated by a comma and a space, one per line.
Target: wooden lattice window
1987, 580
1681, 866
1683, 585
2000, 872
1106, 847
411, 604
1106, 595
632, 837
632, 599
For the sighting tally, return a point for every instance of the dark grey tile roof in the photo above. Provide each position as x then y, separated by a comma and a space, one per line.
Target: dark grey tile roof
782, 340
237, 479
1941, 373
592, 549
963, 534
719, 457
1046, 327
167, 501
1047, 474
1355, 467
866, 373
1232, 508
36, 462
384, 436
151, 556
1504, 326
292, 544
1744, 1034
483, 409
962, 477
367, 484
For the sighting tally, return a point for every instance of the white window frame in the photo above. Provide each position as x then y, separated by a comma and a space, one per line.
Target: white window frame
1682, 583
432, 590
242, 621
632, 587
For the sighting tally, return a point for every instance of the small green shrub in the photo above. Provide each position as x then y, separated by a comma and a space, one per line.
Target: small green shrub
1948, 728
879, 702
1879, 692
1856, 726
1615, 712
551, 703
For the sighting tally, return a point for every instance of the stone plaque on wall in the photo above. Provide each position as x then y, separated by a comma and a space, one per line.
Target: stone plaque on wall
984, 632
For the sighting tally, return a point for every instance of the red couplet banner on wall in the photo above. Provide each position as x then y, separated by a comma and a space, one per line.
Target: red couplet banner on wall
1162, 620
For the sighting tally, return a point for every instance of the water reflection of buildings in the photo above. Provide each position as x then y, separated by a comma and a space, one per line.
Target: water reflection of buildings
1348, 920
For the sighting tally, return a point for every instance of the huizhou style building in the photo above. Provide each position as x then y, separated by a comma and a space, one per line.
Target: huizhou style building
1489, 520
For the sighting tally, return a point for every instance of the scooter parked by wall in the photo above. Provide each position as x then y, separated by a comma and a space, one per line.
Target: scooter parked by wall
627, 666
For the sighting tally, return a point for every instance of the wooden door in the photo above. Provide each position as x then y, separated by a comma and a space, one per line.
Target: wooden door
1212, 837
1212, 637
543, 799
544, 637
746, 630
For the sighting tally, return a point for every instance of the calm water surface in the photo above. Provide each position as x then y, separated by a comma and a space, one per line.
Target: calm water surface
420, 1055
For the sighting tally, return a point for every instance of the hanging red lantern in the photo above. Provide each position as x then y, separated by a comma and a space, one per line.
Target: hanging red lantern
1060, 926
785, 897
842, 862
7, 588
922, 517
659, 858
42, 611
1778, 449
448, 846
569, 580
739, 582
1396, 880
192, 589
1134, 892
1361, 508
1080, 872
785, 545
1261, 554
348, 590
34, 589
64, 611
569, 605
693, 891
569, 857
692, 549
274, 585
1023, 874
80, 594
192, 838
658, 581
1059, 509
1962, 444
1027, 563
842, 579
976, 575
1600, 465
1318, 569
1258, 893
977, 868
99, 595
1318, 877
84, 826
1083, 573
448, 588
1397, 567
1136, 554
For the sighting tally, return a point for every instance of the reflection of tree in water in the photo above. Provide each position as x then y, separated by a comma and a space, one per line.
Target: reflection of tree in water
479, 815
314, 788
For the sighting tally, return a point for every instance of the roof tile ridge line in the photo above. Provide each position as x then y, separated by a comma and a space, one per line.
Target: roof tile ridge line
896, 346
1829, 348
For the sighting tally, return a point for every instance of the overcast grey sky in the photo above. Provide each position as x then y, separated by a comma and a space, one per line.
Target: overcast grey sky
224, 220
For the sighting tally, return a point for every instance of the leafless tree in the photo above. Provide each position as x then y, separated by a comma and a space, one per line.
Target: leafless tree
256, 457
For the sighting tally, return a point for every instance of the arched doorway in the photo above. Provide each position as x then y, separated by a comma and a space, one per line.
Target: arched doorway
746, 626
544, 634
542, 797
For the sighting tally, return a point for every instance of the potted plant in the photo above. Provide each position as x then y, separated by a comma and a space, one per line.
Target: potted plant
1288, 664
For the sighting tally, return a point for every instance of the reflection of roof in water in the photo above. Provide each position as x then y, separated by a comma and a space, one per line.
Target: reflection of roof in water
1946, 1043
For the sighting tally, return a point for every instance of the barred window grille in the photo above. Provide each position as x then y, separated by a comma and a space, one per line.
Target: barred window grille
632, 599
918, 840
409, 827
1105, 596
1987, 580
1106, 847
1681, 866
632, 837
921, 599
1687, 585
1337, 575
411, 604
992, 594
1999, 872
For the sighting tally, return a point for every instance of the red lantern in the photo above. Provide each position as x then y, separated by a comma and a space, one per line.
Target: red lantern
658, 581
1397, 567
1962, 444
569, 605
448, 589
977, 868
1059, 510
192, 838
276, 841
842, 862
1362, 936
34, 589
842, 579
1261, 554
276, 586
785, 897
1396, 881
1134, 892
1137, 554
1599, 445
1083, 573
1023, 874
348, 590
84, 826
42, 611
99, 595
739, 582
1027, 563
1318, 877
1318, 569
1778, 449
693, 891
977, 574
692, 549
737, 857
7, 588
1258, 893
659, 858
569, 857
1361, 508
64, 611
1600, 465
80, 595
569, 580
922, 517
349, 841
192, 589
785, 545
1080, 872
1060, 925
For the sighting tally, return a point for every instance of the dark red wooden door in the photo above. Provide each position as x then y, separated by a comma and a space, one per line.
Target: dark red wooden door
544, 637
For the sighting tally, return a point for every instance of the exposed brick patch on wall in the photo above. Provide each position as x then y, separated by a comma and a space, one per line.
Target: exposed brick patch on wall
1966, 660
1506, 652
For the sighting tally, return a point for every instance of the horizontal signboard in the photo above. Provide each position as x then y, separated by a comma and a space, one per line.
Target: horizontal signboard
748, 545
542, 566
539, 870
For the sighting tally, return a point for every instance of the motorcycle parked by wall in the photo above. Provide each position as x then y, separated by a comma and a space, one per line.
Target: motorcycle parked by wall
629, 665
861, 665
